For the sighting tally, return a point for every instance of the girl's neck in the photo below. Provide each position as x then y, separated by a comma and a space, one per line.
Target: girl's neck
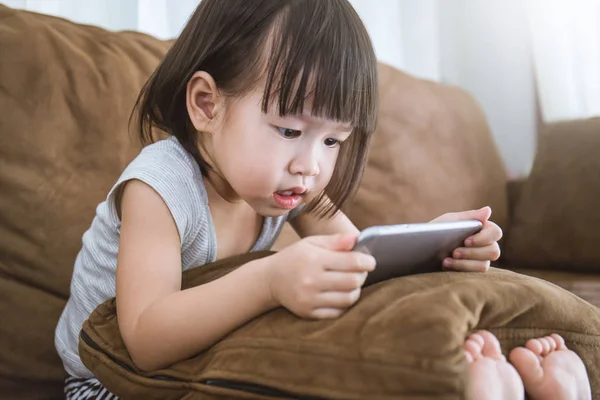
219, 191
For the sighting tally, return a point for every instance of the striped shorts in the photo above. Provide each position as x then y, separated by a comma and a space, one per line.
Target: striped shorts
86, 389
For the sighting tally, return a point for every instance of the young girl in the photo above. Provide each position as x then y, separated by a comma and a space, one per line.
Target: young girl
268, 106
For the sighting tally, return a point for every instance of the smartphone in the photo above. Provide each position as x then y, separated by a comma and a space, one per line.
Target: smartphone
412, 248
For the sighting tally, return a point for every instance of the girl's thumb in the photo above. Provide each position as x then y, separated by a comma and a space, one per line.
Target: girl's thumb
335, 242
483, 214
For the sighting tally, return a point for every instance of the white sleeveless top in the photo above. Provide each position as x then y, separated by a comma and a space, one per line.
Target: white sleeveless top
174, 174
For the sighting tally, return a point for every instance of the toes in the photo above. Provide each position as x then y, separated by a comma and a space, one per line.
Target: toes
527, 363
551, 342
536, 346
469, 356
545, 346
560, 342
478, 338
473, 348
491, 346
482, 343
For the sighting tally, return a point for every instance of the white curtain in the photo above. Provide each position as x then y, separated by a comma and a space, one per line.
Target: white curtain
161, 18
558, 40
507, 53
480, 46
566, 53
405, 34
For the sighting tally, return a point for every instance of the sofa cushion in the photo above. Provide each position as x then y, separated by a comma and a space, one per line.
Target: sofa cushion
432, 153
402, 340
557, 218
66, 95
586, 286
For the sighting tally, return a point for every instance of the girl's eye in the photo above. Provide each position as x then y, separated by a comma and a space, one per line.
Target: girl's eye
330, 142
289, 133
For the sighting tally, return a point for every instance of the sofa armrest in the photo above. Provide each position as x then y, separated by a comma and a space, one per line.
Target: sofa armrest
554, 212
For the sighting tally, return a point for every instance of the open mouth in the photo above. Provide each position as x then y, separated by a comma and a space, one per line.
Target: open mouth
289, 193
292, 191
290, 198
285, 193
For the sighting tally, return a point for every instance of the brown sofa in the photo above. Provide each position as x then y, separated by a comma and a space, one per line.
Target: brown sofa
66, 91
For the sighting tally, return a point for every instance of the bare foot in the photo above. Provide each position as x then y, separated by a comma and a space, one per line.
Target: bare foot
550, 371
491, 376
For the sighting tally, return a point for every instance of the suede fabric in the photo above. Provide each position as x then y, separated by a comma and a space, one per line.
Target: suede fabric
402, 340
557, 218
66, 93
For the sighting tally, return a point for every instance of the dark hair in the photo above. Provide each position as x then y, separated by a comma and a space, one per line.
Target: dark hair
302, 48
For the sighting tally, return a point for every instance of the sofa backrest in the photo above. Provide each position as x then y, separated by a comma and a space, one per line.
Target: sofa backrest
66, 94
432, 153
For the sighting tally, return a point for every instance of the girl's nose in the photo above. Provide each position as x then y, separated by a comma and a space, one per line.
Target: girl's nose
305, 164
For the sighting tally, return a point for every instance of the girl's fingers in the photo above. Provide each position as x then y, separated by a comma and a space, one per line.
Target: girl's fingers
466, 265
490, 233
490, 252
349, 261
339, 300
335, 281
326, 313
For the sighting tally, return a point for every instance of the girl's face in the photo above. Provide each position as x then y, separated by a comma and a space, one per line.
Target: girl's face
274, 163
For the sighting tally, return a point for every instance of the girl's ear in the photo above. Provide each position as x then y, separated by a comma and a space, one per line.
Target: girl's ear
203, 101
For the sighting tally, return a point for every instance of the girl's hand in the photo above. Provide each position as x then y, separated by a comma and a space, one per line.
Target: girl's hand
480, 249
319, 276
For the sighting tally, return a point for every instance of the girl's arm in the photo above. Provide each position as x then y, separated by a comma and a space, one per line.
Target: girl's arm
161, 324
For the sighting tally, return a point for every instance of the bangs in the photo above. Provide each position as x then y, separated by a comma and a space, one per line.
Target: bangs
322, 52
300, 50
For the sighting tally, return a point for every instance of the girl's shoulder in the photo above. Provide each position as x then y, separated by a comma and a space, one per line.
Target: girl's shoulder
166, 155
173, 173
